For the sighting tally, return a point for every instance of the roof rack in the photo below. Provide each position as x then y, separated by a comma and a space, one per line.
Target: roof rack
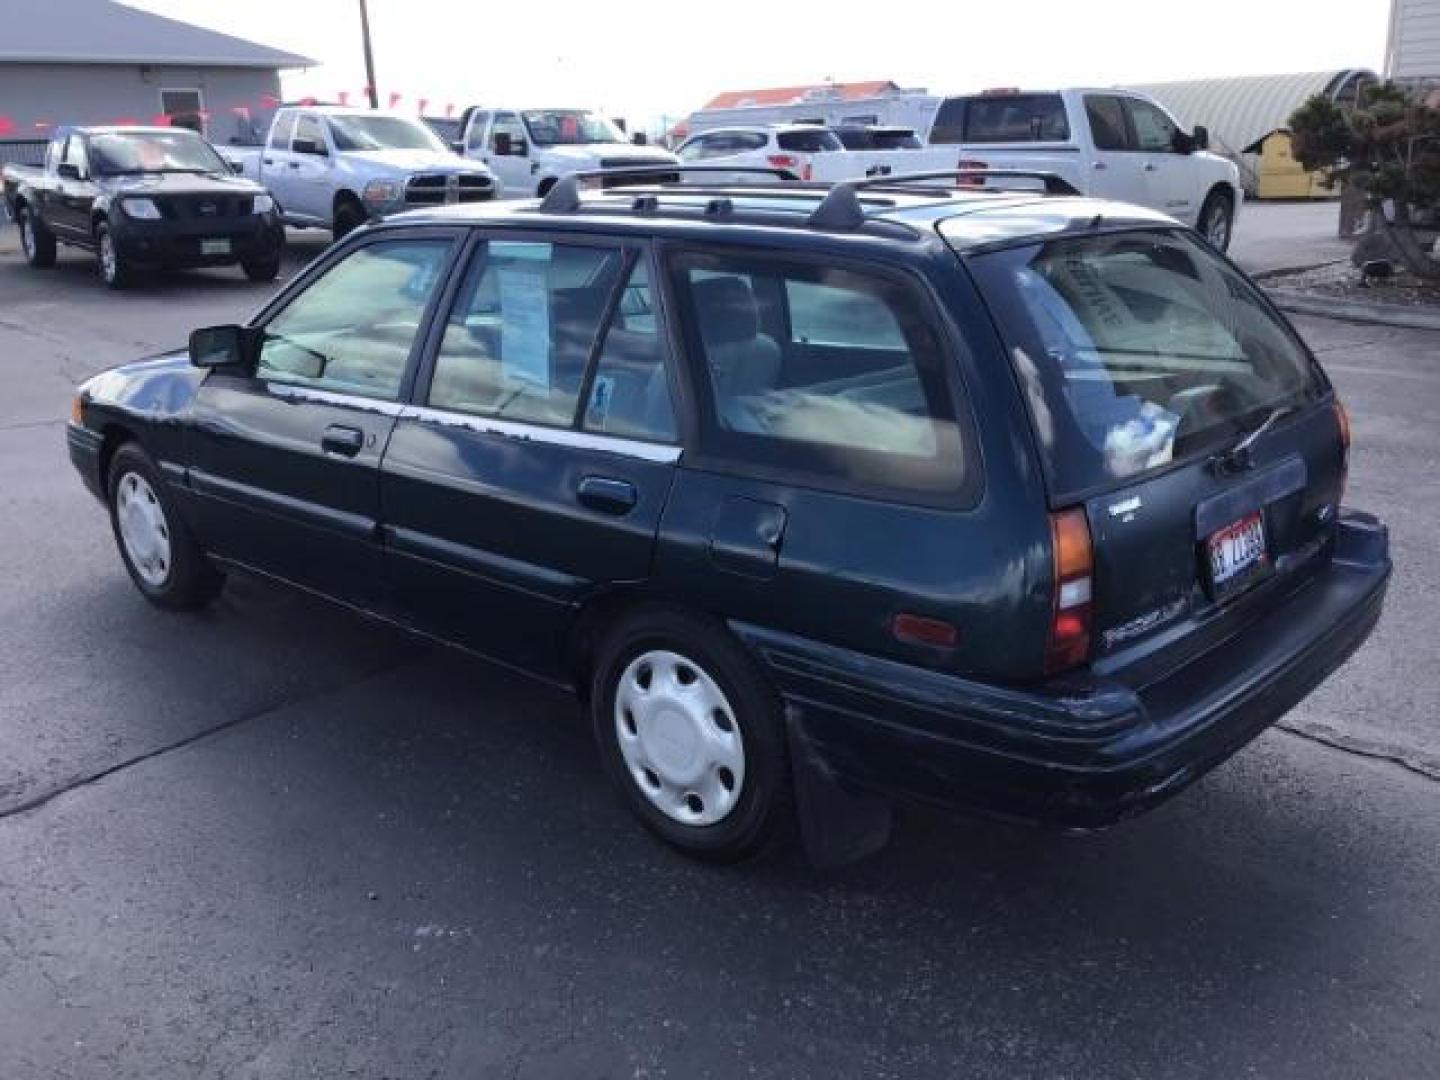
841, 209
564, 197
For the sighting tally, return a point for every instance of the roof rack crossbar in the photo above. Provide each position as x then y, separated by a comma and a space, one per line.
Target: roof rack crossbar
564, 197
841, 210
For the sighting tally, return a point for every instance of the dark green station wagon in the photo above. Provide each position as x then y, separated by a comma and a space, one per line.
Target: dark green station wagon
818, 496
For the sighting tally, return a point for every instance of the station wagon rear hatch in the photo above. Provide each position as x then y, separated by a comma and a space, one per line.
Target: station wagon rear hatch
1174, 408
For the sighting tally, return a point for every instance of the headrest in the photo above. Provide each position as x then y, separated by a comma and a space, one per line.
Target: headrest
726, 309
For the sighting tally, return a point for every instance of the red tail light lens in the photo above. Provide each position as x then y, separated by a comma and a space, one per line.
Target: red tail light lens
1073, 588
783, 161
922, 630
970, 181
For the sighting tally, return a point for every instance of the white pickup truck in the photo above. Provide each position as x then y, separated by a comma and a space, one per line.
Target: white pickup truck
1115, 144
334, 167
530, 149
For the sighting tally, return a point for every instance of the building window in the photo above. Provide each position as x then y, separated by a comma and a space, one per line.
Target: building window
185, 109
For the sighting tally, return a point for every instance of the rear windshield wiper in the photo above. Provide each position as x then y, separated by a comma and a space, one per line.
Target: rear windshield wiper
1238, 458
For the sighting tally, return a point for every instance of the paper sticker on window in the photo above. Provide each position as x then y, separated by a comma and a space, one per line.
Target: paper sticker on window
525, 323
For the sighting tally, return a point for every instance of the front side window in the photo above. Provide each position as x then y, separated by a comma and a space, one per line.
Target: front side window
308, 129
75, 154
507, 124
1136, 349
1154, 131
827, 372
351, 330
519, 338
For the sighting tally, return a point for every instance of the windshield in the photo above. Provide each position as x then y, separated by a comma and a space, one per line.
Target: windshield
356, 132
117, 153
570, 127
1135, 349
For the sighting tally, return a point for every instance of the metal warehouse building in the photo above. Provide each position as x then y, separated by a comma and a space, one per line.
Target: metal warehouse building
1242, 112
1413, 48
96, 61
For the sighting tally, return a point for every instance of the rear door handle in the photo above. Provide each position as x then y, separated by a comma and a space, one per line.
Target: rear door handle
294, 164
269, 161
345, 441
607, 495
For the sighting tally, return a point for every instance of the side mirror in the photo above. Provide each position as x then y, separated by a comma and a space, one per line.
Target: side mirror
224, 346
68, 171
237, 167
1201, 137
458, 145
309, 146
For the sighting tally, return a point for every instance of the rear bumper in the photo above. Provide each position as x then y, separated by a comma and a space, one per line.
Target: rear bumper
1082, 752
253, 238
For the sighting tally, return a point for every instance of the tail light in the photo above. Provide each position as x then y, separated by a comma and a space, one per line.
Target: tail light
791, 162
1074, 576
970, 181
1342, 418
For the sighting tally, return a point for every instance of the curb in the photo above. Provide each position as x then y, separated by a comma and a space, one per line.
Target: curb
1353, 310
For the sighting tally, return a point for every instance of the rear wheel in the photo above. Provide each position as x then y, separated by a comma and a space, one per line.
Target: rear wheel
692, 734
162, 558
36, 241
1217, 217
115, 268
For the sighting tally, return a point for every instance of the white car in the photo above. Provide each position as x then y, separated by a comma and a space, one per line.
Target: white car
804, 150
530, 149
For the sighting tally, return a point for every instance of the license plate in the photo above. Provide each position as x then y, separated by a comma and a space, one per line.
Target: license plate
1237, 553
214, 247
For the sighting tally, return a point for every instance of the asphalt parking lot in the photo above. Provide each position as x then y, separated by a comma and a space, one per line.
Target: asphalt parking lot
275, 841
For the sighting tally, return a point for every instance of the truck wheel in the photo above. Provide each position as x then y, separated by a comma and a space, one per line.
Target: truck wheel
692, 734
36, 241
1217, 216
349, 216
115, 269
262, 272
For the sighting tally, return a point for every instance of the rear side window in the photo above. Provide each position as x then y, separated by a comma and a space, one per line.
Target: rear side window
1016, 118
835, 374
1106, 114
629, 394
519, 337
896, 140
1136, 349
819, 141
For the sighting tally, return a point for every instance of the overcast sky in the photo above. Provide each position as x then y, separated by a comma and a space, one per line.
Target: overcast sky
643, 59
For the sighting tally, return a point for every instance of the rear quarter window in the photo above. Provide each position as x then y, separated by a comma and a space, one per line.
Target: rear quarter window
809, 142
1016, 118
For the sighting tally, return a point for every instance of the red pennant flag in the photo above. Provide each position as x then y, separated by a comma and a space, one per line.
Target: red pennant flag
344, 97
420, 105
307, 102
160, 120
125, 121
269, 100
7, 126
395, 98
449, 110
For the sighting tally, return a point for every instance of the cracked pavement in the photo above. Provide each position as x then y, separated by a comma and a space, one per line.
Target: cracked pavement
273, 841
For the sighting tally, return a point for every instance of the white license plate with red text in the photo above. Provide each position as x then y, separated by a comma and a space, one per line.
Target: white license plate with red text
1236, 551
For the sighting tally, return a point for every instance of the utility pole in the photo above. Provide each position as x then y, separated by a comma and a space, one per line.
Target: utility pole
370, 86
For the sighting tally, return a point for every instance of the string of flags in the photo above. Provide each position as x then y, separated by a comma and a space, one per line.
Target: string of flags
245, 113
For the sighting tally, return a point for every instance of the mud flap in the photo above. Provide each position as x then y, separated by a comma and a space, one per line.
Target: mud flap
837, 826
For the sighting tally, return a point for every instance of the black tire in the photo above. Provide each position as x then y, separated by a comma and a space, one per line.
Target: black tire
762, 811
262, 272
115, 268
1217, 219
349, 216
544, 186
189, 580
36, 241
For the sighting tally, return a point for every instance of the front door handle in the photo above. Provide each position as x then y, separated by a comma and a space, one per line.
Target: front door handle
345, 441
607, 495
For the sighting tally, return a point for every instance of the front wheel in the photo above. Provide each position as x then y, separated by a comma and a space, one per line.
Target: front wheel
261, 271
349, 216
115, 268
692, 734
162, 558
1217, 218
36, 241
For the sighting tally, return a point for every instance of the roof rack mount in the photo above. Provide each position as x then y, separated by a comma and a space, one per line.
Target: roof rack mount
840, 210
564, 197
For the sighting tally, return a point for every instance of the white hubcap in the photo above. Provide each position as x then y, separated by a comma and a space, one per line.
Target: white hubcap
679, 738
143, 529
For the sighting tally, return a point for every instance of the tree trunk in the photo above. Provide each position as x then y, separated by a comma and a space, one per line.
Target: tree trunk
1407, 245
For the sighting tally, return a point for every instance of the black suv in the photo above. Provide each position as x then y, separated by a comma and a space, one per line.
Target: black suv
817, 496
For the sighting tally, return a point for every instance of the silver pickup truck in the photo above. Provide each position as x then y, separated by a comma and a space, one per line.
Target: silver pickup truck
333, 167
